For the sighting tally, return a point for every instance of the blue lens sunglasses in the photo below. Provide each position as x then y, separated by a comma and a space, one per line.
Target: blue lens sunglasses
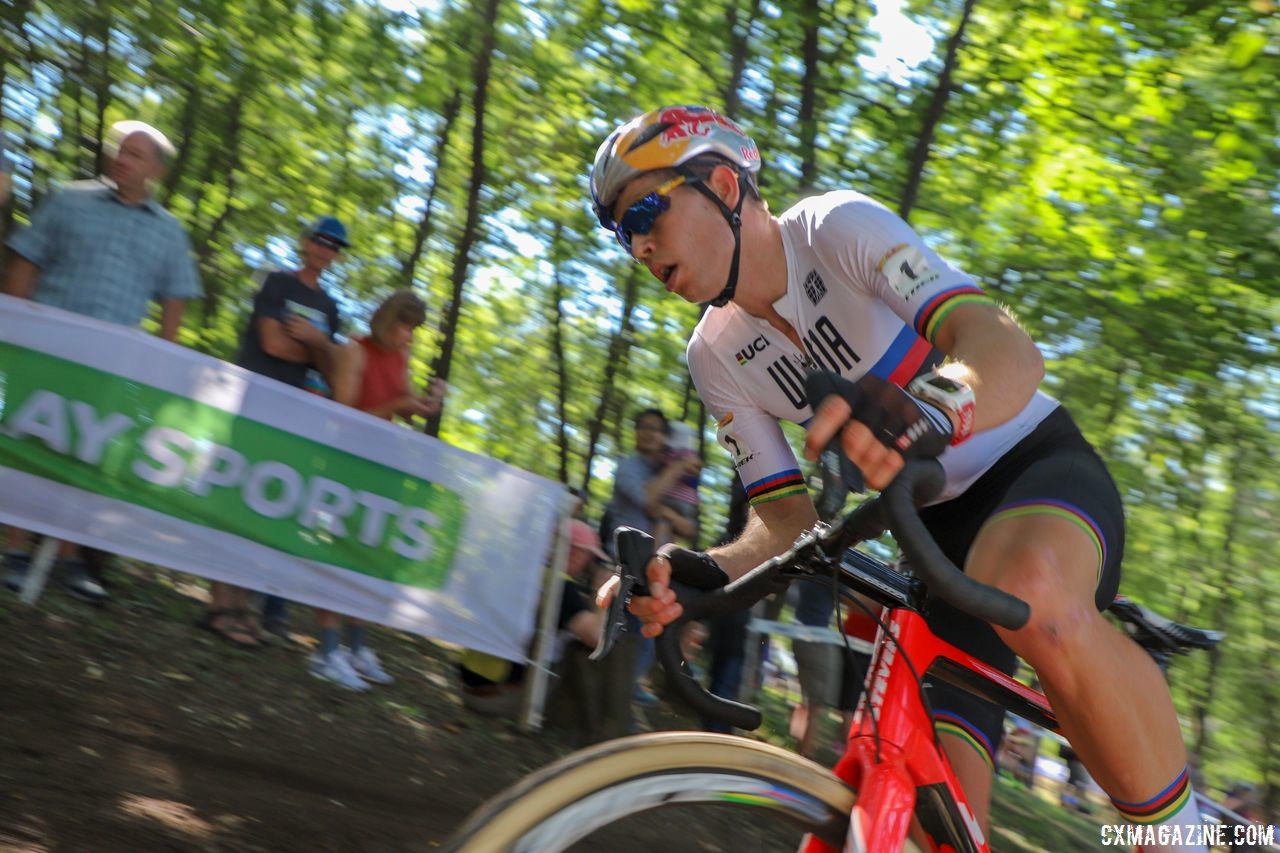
640, 216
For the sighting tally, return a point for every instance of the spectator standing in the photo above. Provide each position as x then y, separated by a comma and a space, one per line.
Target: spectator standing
727, 632
105, 248
290, 332
819, 665
639, 486
372, 375
674, 510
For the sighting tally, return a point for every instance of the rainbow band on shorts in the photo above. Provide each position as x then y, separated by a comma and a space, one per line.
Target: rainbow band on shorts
946, 722
780, 485
931, 314
1064, 510
1162, 806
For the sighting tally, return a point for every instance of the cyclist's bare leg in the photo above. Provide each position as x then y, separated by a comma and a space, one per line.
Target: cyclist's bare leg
1109, 697
974, 774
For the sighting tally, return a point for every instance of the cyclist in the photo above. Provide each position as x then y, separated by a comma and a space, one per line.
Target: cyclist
934, 366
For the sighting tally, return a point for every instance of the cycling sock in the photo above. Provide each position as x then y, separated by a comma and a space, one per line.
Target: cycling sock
328, 641
1168, 821
355, 637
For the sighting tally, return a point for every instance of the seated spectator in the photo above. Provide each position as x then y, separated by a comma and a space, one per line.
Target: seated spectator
492, 686
372, 375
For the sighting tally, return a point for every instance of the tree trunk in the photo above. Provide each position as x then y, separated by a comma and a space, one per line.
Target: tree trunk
409, 266
186, 129
618, 347
808, 120
462, 255
102, 91
204, 246
1223, 606
557, 352
933, 116
739, 44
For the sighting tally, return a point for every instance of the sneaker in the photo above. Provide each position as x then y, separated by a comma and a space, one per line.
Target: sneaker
75, 577
336, 667
365, 663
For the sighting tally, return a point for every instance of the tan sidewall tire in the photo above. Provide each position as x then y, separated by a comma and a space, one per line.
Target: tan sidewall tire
505, 818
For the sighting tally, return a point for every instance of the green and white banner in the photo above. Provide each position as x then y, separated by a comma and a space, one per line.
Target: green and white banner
115, 439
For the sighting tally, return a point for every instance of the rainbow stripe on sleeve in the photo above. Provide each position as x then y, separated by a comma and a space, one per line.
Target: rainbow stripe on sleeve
780, 485
930, 316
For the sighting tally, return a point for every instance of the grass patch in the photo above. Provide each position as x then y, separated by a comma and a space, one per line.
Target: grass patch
1023, 821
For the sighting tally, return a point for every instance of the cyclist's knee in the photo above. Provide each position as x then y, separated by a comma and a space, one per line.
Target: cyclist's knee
1062, 611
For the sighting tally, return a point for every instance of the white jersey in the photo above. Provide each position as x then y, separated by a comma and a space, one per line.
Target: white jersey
866, 295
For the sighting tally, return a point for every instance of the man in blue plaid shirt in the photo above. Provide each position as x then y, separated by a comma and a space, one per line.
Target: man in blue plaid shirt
105, 248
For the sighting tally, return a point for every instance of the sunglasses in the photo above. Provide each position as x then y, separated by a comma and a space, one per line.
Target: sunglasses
327, 243
640, 216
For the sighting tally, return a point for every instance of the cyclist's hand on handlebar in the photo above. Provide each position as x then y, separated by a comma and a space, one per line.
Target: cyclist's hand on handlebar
877, 423
695, 569
655, 610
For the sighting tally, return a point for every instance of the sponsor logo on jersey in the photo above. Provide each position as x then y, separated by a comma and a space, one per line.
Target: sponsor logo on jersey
907, 269
749, 352
737, 448
814, 288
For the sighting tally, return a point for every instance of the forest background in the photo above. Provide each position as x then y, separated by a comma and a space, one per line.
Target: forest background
1106, 169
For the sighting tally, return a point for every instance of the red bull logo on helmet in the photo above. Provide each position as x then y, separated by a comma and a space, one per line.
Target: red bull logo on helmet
686, 122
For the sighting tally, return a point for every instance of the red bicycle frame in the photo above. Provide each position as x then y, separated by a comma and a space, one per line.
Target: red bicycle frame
893, 759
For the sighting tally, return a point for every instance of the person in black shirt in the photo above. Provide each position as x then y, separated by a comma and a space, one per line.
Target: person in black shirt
294, 321
289, 338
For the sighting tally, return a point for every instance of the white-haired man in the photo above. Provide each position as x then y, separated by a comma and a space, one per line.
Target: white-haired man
105, 248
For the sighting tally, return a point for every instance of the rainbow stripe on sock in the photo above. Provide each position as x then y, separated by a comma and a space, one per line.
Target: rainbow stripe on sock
1059, 509
946, 722
779, 485
1162, 806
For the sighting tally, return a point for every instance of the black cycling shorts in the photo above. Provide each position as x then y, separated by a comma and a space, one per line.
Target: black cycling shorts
1054, 470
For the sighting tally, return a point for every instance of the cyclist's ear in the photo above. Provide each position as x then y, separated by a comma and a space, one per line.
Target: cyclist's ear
723, 181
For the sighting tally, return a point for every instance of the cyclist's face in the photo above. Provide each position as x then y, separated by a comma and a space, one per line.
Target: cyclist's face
685, 248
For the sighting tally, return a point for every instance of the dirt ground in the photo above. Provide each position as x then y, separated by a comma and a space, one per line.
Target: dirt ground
127, 728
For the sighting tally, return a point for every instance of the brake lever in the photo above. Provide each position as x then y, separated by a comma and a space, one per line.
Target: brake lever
634, 548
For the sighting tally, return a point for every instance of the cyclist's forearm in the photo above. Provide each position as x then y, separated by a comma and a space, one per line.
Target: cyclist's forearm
771, 529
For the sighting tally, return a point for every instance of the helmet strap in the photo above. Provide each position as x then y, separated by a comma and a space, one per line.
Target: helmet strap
734, 218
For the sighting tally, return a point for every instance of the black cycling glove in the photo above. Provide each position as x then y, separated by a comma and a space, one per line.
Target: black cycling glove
899, 421
694, 568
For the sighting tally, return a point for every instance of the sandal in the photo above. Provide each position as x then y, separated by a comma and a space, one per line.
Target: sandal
249, 624
225, 624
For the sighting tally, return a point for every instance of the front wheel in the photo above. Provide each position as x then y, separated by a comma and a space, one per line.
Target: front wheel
564, 802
